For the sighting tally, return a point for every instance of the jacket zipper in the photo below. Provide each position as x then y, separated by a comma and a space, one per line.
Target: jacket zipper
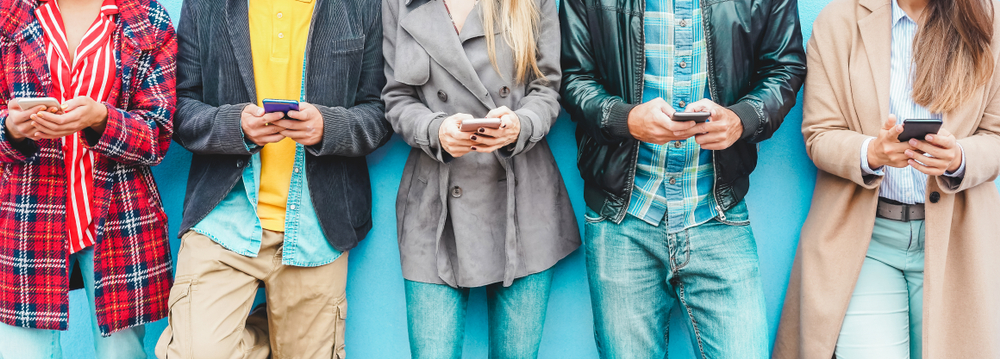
639, 90
714, 93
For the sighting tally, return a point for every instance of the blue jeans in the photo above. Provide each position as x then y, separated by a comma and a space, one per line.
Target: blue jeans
436, 317
638, 272
885, 317
29, 343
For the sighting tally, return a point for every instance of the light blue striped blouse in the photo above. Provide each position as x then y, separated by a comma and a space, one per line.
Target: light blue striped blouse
906, 185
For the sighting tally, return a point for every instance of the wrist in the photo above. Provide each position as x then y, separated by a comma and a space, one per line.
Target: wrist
13, 135
101, 118
957, 162
873, 160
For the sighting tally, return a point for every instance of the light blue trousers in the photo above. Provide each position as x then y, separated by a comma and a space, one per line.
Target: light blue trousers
29, 343
884, 319
436, 318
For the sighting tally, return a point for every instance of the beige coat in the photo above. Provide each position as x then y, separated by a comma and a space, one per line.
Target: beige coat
846, 100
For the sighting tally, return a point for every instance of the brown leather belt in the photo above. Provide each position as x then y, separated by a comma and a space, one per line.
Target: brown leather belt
896, 211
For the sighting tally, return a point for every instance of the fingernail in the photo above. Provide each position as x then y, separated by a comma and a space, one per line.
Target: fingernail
930, 137
482, 130
473, 148
473, 137
913, 142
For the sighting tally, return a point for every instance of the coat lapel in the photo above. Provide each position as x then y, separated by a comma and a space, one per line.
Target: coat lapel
876, 33
239, 34
474, 26
430, 25
32, 44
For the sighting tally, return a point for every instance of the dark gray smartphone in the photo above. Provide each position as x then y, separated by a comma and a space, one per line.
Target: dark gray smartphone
919, 128
698, 117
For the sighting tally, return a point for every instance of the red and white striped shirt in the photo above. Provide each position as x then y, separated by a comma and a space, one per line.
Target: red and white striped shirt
91, 73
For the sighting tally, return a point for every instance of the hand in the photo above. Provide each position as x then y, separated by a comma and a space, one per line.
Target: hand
79, 113
453, 140
650, 122
945, 152
259, 127
886, 150
304, 126
491, 139
718, 133
18, 121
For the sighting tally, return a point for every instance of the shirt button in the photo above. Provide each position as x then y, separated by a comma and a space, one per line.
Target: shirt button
296, 170
683, 64
673, 181
678, 144
682, 104
684, 23
456, 191
281, 35
292, 207
279, 15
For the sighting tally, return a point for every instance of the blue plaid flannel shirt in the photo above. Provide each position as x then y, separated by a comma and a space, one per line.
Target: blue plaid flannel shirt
673, 182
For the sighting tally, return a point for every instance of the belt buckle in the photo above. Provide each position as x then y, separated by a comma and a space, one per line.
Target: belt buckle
905, 215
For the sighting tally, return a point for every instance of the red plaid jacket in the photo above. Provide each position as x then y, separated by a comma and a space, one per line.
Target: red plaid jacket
132, 267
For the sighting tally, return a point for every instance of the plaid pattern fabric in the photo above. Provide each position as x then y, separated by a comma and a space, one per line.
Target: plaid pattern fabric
132, 270
674, 181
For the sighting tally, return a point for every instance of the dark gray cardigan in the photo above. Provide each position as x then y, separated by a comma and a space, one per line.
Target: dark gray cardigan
344, 79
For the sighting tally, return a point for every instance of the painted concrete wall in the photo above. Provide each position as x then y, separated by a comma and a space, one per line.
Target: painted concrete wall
779, 198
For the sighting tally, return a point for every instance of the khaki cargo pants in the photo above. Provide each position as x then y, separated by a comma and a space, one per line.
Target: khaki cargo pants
215, 288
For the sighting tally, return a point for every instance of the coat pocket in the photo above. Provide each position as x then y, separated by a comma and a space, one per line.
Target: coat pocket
412, 63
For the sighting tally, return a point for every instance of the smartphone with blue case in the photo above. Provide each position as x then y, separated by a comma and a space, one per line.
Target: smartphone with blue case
283, 106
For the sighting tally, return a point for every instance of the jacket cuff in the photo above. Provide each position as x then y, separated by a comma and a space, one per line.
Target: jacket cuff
616, 118
433, 140
525, 138
229, 117
749, 117
16, 151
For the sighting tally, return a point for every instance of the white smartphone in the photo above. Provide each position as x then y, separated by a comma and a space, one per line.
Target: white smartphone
31, 102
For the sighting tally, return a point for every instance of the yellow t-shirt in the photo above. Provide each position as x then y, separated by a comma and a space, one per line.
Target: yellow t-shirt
279, 30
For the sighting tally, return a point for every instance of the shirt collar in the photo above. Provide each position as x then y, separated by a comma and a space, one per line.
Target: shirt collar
898, 13
109, 7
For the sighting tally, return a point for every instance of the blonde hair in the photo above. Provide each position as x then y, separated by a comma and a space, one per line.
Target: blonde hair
519, 26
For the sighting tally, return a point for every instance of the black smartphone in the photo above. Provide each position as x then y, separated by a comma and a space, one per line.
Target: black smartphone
698, 117
919, 128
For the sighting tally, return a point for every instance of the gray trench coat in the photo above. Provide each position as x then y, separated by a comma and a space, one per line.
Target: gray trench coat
484, 217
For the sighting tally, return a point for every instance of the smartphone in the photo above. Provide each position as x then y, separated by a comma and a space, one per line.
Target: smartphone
283, 106
471, 125
698, 117
27, 103
919, 128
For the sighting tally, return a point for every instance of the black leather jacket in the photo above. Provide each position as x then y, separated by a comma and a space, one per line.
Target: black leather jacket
756, 65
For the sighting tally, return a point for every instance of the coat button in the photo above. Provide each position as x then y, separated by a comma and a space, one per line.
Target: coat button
456, 191
504, 91
443, 96
239, 163
935, 197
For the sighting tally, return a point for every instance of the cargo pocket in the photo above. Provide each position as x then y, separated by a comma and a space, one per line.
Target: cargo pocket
179, 312
339, 351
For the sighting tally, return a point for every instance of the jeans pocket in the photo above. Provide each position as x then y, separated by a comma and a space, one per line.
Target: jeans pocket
591, 216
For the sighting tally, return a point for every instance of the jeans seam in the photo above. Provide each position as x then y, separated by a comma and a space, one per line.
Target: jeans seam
694, 323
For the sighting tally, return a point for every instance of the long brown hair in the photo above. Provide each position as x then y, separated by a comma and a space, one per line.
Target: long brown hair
518, 21
952, 56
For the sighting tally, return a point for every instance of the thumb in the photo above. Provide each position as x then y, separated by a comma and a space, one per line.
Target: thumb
889, 123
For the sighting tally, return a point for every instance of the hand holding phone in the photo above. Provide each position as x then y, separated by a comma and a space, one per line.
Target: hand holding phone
18, 121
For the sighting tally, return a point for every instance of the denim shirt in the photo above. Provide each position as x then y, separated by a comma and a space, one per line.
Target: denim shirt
674, 181
235, 225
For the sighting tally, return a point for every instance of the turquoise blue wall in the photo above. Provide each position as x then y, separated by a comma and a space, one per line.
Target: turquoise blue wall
376, 329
